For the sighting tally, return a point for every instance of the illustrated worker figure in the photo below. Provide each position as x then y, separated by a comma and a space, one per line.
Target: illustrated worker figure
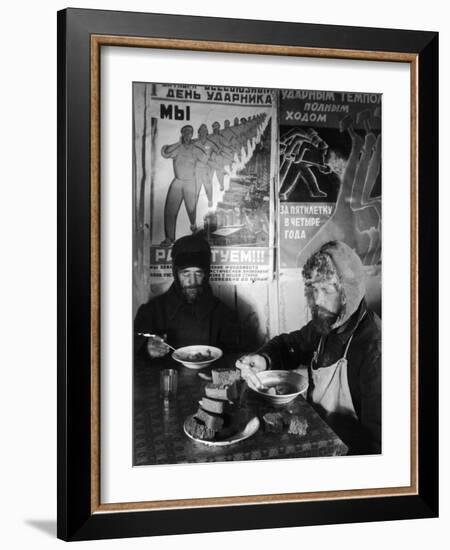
236, 128
302, 152
203, 168
188, 313
185, 155
341, 347
224, 155
231, 139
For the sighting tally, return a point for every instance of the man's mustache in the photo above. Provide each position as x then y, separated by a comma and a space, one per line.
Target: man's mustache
323, 313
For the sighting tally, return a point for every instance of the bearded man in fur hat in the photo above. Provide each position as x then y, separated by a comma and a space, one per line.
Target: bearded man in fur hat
341, 347
188, 313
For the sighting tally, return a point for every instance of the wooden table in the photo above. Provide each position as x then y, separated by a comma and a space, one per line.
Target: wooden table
158, 426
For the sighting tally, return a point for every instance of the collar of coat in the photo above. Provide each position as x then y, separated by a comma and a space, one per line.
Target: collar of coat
201, 308
344, 331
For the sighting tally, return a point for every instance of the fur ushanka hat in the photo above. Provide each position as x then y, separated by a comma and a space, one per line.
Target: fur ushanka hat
191, 251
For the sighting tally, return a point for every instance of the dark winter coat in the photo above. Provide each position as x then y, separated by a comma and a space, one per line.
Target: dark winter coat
363, 370
362, 436
207, 321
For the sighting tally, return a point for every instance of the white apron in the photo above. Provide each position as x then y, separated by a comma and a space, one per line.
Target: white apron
330, 389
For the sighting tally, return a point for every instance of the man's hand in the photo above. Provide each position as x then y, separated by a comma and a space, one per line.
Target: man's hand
250, 365
156, 347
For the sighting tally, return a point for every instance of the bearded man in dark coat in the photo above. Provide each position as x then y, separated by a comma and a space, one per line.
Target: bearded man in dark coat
340, 346
188, 313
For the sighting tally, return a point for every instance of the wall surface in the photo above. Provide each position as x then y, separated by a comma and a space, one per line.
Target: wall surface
28, 275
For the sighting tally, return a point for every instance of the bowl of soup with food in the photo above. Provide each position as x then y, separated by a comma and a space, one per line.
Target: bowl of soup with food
197, 357
279, 387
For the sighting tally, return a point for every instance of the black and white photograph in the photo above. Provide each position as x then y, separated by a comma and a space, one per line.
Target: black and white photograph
225, 226
257, 259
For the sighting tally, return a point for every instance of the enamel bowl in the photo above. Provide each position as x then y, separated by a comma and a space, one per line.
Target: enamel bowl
288, 385
186, 356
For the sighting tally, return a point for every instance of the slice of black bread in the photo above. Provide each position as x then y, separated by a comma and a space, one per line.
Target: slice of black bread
212, 421
273, 422
217, 406
297, 425
224, 376
199, 430
219, 391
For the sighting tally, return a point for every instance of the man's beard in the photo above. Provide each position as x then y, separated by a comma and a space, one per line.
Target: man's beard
323, 320
192, 293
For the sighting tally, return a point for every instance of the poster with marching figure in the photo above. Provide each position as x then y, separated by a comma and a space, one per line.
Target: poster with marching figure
330, 178
211, 172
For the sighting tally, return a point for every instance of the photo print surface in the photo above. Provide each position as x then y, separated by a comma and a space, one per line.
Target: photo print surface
256, 273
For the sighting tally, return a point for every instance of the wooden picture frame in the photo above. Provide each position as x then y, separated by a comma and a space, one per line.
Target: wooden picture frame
81, 35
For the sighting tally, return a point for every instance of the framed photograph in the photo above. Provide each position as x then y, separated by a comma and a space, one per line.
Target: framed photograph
247, 254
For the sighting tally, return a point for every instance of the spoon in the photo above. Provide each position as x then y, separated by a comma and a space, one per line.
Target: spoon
261, 386
147, 335
255, 379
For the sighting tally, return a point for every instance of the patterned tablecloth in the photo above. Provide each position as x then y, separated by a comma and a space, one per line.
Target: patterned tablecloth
159, 437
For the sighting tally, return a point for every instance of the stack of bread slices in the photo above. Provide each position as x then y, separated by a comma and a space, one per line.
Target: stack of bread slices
214, 417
